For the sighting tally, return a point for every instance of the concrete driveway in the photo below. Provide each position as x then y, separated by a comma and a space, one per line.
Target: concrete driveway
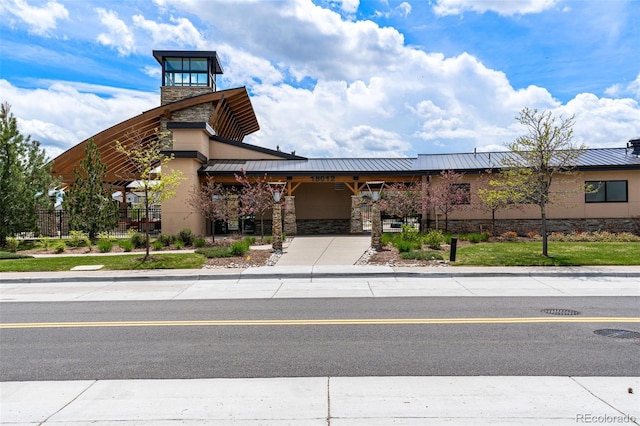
324, 250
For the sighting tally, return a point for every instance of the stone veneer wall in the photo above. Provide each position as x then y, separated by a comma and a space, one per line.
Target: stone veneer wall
170, 94
312, 226
523, 226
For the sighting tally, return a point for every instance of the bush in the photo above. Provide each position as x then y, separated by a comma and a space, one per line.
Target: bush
179, 244
476, 237
434, 239
403, 246
199, 242
509, 236
214, 252
239, 248
45, 241
157, 245
250, 240
59, 247
78, 239
422, 255
267, 239
386, 238
186, 236
408, 239
126, 245
105, 245
12, 244
138, 239
166, 239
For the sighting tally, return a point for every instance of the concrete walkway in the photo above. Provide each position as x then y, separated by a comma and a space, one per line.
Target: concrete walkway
324, 250
334, 401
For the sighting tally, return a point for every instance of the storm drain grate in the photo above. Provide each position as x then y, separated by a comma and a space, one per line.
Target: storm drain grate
618, 334
560, 312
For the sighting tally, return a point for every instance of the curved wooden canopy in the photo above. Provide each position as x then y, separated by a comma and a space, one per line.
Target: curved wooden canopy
233, 118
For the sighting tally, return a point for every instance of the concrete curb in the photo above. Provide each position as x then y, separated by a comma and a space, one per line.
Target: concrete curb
248, 274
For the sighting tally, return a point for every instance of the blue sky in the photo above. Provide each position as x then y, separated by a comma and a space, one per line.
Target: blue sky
328, 78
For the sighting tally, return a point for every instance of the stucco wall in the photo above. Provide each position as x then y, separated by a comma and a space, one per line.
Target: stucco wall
176, 213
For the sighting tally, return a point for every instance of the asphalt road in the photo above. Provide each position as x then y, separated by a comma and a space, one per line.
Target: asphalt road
446, 336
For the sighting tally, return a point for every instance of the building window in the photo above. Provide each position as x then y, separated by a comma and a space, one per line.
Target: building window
610, 191
460, 193
186, 72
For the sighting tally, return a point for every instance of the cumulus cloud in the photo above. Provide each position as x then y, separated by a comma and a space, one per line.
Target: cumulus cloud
619, 89
119, 35
39, 112
504, 8
182, 33
41, 20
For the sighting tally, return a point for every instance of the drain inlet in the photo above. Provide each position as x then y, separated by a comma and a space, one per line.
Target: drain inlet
560, 312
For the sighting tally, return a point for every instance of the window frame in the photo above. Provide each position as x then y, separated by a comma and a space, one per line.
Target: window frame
602, 185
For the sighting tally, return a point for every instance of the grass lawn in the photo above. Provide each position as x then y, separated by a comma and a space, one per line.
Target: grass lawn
560, 254
129, 261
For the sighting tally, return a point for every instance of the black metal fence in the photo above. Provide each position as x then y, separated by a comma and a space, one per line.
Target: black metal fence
55, 223
389, 223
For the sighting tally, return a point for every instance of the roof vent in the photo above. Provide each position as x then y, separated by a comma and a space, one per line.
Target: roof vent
635, 144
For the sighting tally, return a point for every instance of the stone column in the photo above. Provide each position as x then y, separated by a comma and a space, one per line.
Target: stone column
276, 227
290, 227
356, 215
376, 227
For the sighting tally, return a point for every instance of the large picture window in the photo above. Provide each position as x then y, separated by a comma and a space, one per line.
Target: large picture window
609, 191
185, 72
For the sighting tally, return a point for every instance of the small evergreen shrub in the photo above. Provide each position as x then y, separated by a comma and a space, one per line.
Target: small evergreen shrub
199, 242
186, 236
59, 247
179, 244
138, 239
78, 239
157, 245
434, 239
105, 245
166, 239
12, 244
239, 248
126, 245
403, 246
386, 238
45, 241
250, 240
476, 237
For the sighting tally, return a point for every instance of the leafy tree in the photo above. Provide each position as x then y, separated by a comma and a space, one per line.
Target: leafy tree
89, 203
214, 201
490, 198
403, 200
448, 194
545, 155
25, 178
255, 197
144, 154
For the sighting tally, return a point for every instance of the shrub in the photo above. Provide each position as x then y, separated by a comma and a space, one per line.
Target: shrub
403, 246
59, 247
45, 241
239, 248
434, 239
214, 252
386, 238
533, 234
422, 255
186, 236
476, 237
126, 245
105, 245
138, 239
166, 239
157, 245
250, 240
12, 244
199, 242
78, 239
267, 239
509, 236
179, 244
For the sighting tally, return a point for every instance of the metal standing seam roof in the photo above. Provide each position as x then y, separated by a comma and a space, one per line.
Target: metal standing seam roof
313, 165
602, 158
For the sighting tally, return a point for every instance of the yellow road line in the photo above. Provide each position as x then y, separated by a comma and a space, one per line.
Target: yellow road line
290, 322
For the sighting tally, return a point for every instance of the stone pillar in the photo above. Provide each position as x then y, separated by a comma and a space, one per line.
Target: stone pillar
356, 215
276, 227
290, 227
376, 227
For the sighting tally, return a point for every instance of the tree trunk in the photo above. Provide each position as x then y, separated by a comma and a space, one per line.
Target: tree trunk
543, 215
493, 222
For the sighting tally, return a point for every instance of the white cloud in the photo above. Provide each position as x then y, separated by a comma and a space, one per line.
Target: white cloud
41, 20
183, 33
349, 6
84, 114
501, 7
119, 36
620, 89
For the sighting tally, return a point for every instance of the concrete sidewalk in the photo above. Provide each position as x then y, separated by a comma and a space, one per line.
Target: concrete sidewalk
324, 250
325, 401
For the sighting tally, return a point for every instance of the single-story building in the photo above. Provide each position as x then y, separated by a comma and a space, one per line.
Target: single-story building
323, 195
